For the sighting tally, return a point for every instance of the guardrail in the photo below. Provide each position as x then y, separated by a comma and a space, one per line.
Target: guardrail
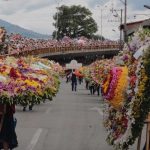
59, 50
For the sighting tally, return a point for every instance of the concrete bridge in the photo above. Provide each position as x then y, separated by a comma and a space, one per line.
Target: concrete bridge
82, 54
54, 51
66, 54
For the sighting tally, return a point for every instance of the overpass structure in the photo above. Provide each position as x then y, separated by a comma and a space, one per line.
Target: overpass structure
84, 54
74, 50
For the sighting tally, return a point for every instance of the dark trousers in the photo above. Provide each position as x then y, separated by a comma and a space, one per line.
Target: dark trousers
87, 85
80, 80
67, 79
74, 86
92, 90
98, 90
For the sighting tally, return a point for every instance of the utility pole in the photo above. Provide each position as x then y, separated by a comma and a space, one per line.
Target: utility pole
120, 20
125, 19
121, 29
101, 24
57, 22
125, 22
56, 35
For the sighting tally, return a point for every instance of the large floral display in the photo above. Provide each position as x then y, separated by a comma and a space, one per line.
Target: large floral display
126, 91
100, 69
125, 82
28, 80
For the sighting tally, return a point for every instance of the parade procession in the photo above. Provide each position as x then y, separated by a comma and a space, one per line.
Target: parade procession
81, 83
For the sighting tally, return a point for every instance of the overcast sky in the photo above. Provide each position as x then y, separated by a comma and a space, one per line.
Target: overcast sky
37, 15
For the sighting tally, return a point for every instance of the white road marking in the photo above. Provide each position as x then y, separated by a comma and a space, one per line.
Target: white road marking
34, 139
98, 110
48, 110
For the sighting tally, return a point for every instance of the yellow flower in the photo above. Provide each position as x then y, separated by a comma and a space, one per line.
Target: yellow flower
32, 83
119, 97
106, 84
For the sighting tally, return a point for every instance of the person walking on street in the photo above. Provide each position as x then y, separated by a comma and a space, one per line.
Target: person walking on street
74, 81
80, 79
91, 87
87, 84
98, 89
67, 77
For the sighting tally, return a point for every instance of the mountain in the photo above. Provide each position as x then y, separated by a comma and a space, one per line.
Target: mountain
11, 28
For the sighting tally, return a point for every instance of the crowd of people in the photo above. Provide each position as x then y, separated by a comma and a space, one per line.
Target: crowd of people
90, 85
17, 43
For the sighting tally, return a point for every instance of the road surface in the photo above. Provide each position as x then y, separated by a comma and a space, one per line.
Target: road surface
72, 121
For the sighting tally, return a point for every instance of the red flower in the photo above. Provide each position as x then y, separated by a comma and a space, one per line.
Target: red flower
13, 73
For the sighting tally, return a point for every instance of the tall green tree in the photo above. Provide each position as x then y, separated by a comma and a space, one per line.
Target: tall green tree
73, 21
3, 45
98, 37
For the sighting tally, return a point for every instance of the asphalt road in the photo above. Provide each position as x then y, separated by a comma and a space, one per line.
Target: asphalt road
72, 121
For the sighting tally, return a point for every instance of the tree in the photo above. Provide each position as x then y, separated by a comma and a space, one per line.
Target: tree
98, 37
3, 45
73, 21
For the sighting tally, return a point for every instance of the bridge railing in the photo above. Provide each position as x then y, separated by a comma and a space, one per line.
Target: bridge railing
65, 49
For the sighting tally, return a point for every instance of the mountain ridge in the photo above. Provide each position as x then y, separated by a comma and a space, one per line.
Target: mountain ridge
12, 28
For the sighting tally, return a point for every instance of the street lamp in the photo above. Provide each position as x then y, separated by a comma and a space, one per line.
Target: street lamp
147, 6
56, 34
101, 26
125, 20
141, 15
120, 17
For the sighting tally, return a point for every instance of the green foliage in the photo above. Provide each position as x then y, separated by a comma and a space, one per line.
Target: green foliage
74, 21
98, 37
3, 46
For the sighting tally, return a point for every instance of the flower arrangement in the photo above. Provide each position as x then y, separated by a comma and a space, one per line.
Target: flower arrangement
28, 80
116, 86
100, 69
125, 82
125, 123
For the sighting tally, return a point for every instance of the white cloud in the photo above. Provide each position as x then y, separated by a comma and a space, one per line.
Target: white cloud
37, 15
